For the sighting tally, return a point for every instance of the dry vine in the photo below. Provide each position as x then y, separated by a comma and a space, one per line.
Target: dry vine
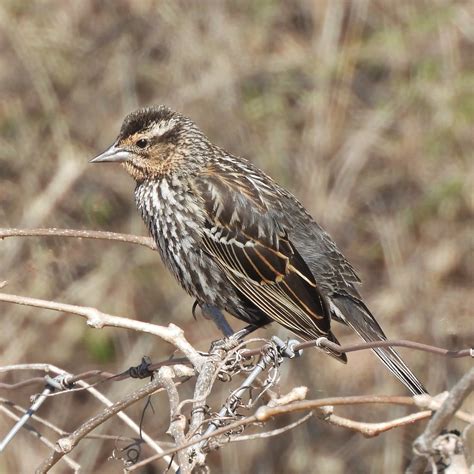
251, 367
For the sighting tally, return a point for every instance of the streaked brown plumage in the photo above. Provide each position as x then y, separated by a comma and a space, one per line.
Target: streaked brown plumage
236, 240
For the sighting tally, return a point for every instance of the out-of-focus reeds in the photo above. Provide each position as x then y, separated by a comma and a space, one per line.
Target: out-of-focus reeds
363, 109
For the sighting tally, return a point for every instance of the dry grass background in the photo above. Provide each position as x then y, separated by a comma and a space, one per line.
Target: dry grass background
364, 109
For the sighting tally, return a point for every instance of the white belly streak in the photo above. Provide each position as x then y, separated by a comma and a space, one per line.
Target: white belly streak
175, 221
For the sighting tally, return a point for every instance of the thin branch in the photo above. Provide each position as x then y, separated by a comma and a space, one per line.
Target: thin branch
22, 384
427, 402
70, 462
265, 413
48, 368
65, 445
323, 342
276, 432
202, 389
177, 421
97, 319
80, 234
20, 409
61, 432
370, 430
423, 445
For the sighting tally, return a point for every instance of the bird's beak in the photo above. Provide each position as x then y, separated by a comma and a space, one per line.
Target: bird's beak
113, 154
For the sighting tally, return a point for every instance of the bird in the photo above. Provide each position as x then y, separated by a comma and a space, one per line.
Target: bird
236, 240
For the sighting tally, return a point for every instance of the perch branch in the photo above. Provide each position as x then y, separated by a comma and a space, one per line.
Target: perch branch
323, 342
97, 319
79, 234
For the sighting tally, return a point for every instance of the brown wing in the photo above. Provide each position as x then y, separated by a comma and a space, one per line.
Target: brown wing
246, 241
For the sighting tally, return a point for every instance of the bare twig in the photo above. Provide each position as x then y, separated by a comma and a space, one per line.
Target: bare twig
323, 342
362, 346
65, 445
97, 319
427, 402
276, 432
369, 430
48, 368
265, 413
25, 417
204, 384
8, 403
70, 462
423, 445
19, 409
177, 421
80, 234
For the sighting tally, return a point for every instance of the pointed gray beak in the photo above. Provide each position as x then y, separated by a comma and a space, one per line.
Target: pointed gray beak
112, 154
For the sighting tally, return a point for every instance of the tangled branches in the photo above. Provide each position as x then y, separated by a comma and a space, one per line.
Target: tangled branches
252, 402
251, 372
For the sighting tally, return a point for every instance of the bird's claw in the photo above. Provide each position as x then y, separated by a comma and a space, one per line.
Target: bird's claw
226, 344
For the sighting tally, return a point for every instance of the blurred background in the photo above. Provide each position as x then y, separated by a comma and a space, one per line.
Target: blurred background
364, 109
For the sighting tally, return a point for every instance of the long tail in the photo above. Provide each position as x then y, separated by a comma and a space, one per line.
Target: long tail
355, 314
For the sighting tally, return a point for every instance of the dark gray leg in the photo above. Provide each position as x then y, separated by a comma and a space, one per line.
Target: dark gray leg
215, 314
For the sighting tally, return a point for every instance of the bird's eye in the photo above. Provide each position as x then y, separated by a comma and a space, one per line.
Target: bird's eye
142, 143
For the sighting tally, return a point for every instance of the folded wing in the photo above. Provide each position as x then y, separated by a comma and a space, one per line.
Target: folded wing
246, 241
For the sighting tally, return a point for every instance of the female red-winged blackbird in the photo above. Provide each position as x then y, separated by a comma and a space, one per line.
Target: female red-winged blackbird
236, 240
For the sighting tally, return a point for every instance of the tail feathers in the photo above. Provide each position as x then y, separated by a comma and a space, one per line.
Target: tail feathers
395, 364
356, 315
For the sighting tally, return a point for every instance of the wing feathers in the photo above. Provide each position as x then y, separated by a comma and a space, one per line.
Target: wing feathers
279, 285
259, 259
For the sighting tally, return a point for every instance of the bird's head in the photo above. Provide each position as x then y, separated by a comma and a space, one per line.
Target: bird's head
154, 142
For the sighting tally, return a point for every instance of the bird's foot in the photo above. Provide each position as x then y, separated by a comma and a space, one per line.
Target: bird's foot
228, 343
